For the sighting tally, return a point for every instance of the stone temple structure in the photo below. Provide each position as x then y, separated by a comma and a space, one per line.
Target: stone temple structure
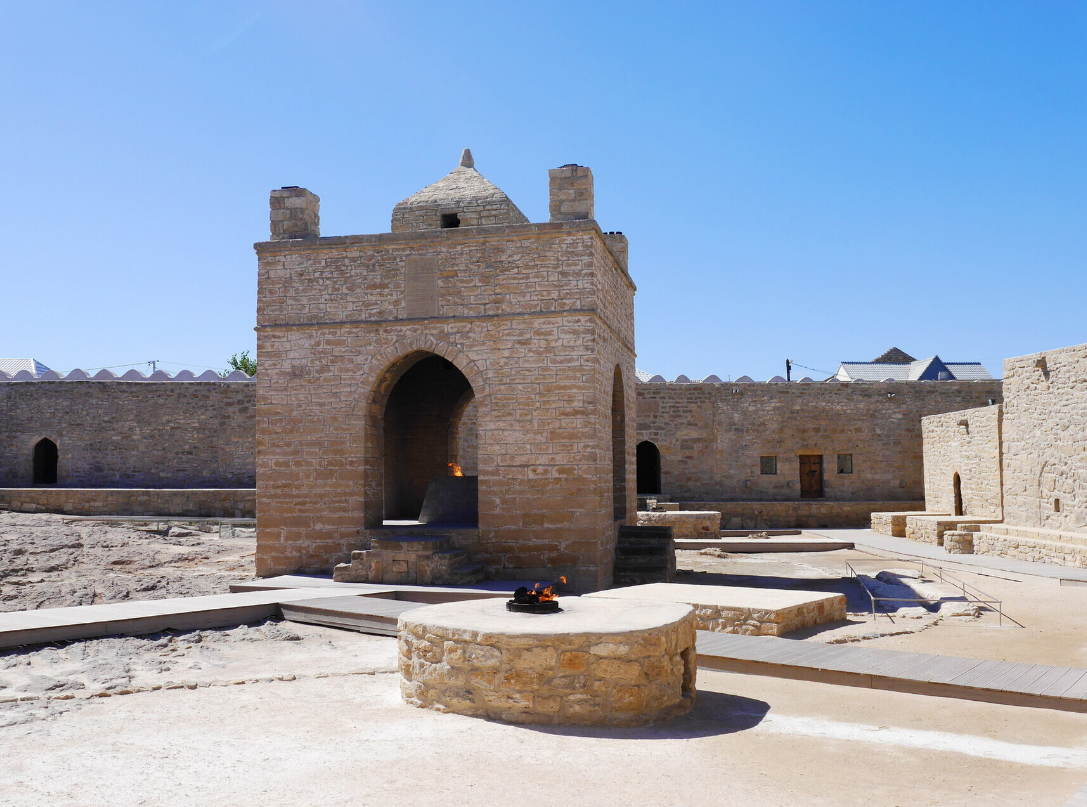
467, 337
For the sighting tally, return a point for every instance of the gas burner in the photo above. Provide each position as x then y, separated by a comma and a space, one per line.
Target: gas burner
540, 599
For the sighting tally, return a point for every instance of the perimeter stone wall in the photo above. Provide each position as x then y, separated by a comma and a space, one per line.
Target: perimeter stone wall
1045, 440
966, 443
208, 502
711, 436
536, 316
131, 434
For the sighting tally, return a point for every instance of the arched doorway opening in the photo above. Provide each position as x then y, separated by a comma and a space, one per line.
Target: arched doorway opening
421, 478
958, 495
618, 447
45, 462
648, 458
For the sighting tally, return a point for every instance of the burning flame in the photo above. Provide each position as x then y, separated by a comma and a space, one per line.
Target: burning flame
537, 594
454, 470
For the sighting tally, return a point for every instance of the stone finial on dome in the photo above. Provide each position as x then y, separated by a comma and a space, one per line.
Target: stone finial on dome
462, 198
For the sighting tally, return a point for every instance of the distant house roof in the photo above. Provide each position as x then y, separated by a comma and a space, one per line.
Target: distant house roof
930, 369
32, 366
894, 356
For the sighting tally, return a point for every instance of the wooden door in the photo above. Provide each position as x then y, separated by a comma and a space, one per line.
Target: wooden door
811, 476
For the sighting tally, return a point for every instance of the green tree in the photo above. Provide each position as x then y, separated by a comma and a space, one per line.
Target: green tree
241, 361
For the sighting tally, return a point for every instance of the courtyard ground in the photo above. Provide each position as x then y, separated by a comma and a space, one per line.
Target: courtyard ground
289, 714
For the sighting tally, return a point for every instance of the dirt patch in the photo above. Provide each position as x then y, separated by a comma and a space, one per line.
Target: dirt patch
51, 561
39, 683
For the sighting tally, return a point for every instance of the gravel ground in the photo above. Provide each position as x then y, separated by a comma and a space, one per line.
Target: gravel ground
51, 561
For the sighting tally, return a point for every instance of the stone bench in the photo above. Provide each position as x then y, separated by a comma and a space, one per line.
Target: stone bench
893, 524
930, 529
958, 542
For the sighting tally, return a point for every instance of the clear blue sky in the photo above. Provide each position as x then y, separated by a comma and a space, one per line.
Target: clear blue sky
812, 180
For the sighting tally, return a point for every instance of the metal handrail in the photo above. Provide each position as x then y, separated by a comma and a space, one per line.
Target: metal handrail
971, 593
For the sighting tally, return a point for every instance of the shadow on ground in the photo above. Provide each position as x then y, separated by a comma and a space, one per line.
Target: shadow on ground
714, 713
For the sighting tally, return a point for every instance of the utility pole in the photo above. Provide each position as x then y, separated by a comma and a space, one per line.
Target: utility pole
154, 364
788, 370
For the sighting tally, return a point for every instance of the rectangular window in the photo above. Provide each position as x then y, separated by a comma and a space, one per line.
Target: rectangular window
845, 463
768, 465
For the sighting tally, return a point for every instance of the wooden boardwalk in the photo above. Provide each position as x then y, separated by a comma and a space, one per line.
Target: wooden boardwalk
1007, 682
375, 609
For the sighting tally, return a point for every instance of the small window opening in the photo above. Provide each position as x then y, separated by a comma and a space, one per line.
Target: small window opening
768, 465
845, 463
450, 220
1056, 505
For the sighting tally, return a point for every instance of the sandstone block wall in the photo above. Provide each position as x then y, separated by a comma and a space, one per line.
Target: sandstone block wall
139, 434
767, 621
684, 523
801, 514
893, 523
209, 502
537, 317
1045, 440
966, 443
711, 436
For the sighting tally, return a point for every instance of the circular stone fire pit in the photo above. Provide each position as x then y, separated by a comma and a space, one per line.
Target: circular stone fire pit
596, 662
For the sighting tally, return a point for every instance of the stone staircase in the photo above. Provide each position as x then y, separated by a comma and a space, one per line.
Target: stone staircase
644, 555
410, 560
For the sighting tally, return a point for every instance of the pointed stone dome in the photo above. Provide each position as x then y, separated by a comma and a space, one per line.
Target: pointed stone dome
462, 198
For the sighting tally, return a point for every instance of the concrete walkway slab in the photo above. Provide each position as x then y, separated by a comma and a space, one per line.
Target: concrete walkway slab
1004, 682
868, 541
760, 545
147, 616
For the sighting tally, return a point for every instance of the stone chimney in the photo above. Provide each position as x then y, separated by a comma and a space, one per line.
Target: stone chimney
571, 192
295, 213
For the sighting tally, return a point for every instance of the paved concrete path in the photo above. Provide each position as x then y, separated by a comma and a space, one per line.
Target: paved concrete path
1005, 682
886, 544
748, 546
148, 616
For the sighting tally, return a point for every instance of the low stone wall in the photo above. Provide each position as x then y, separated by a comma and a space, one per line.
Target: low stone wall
799, 514
736, 609
930, 529
598, 662
684, 523
1032, 544
208, 502
893, 523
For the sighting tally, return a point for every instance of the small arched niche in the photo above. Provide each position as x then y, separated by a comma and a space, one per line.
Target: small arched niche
45, 462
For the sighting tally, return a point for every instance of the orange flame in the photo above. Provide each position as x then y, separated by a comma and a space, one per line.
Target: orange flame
454, 470
547, 592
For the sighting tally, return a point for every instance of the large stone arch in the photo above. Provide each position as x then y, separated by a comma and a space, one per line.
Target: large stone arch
378, 379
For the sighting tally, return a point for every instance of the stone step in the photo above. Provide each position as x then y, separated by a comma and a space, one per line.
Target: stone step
469, 573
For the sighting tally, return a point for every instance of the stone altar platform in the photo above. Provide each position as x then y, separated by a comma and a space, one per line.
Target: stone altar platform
598, 662
734, 609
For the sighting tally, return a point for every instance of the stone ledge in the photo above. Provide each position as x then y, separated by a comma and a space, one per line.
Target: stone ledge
151, 502
735, 609
684, 523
